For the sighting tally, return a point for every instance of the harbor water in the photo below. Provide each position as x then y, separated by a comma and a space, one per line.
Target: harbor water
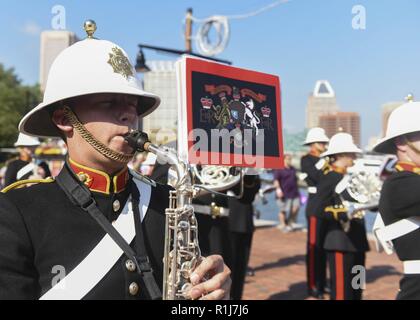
270, 210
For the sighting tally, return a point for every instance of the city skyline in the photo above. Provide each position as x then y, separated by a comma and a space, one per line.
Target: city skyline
342, 121
321, 101
300, 41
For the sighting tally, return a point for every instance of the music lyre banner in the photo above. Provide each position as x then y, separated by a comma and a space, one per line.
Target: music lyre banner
228, 115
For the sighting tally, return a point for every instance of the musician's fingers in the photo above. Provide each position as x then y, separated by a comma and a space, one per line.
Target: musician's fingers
220, 281
218, 294
212, 263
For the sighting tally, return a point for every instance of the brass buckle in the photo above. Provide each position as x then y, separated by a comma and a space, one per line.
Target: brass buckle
214, 210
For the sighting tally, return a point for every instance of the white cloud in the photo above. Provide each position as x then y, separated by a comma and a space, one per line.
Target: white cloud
31, 28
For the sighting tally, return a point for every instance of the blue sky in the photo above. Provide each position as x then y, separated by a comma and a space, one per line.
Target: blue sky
301, 41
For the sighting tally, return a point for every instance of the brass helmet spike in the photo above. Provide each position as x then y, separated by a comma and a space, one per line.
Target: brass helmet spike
90, 28
409, 97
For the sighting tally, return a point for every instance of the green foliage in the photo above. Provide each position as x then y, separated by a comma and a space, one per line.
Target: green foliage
15, 100
293, 141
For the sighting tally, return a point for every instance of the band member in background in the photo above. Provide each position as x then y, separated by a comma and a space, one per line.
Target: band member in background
241, 225
345, 240
212, 213
287, 194
316, 259
23, 167
97, 225
399, 205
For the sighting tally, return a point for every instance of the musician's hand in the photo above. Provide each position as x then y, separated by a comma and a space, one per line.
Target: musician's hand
211, 280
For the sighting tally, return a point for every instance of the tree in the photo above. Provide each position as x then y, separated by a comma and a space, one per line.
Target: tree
15, 100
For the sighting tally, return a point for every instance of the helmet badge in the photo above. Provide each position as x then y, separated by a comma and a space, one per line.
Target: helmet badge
120, 63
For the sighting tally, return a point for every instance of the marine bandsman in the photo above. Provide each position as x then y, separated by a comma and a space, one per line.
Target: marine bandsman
97, 231
311, 166
345, 240
399, 205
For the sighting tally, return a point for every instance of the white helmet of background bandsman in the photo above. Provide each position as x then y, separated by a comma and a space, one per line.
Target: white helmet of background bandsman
341, 143
89, 66
403, 120
316, 135
26, 141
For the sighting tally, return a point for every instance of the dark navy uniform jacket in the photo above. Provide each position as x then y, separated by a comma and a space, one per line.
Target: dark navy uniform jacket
337, 239
241, 211
40, 228
400, 199
307, 165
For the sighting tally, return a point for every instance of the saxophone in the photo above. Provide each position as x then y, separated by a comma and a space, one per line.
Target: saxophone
181, 252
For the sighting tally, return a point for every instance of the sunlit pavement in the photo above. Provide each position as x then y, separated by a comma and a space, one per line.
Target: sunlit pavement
279, 262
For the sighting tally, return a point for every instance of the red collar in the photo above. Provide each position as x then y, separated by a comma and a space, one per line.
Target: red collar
407, 166
314, 153
100, 181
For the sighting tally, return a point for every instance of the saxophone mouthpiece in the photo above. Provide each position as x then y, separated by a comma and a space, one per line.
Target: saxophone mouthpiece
137, 140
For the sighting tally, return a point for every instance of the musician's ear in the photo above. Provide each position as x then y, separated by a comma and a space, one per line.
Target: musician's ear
401, 144
62, 123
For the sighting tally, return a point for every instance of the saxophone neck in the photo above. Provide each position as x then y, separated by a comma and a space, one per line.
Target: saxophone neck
170, 156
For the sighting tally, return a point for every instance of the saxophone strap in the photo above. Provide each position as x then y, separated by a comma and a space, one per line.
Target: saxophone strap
143, 259
80, 195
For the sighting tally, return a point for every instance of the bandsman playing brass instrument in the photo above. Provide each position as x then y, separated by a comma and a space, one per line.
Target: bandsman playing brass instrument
311, 166
96, 231
345, 241
23, 167
399, 205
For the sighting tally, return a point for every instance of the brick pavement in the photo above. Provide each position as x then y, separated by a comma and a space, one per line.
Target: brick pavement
280, 272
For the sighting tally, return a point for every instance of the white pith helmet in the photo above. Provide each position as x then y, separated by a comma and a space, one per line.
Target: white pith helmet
87, 67
26, 141
341, 143
316, 135
403, 120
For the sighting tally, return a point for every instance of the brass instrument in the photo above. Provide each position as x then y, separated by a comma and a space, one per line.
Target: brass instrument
365, 188
182, 252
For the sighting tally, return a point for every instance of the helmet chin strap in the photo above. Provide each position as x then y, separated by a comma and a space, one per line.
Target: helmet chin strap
89, 138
